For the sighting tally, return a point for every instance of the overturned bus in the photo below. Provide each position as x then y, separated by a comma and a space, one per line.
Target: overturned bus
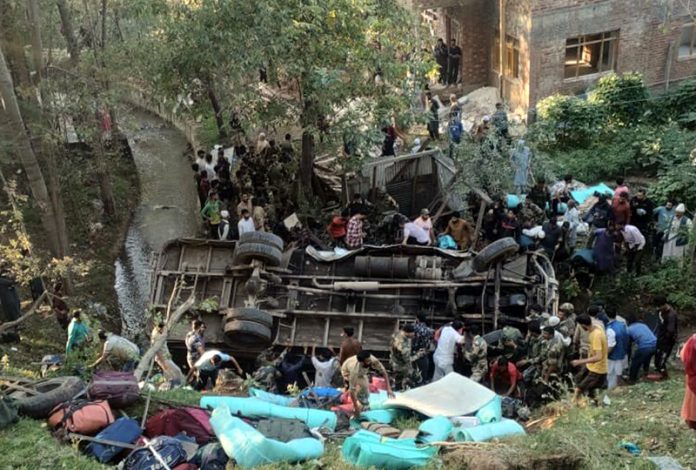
263, 295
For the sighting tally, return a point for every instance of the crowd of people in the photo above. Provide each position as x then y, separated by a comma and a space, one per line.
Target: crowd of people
227, 179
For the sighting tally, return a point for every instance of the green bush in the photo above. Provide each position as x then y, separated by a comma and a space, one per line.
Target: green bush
624, 98
567, 122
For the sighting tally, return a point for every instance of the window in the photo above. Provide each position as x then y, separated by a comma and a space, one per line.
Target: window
593, 53
687, 43
512, 56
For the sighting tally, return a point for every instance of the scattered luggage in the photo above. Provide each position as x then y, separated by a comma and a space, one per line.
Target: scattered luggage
210, 457
170, 450
120, 389
81, 416
194, 422
124, 430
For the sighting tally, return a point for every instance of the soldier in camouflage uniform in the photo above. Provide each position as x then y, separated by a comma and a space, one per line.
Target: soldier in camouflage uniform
530, 212
477, 356
552, 355
530, 365
566, 313
402, 358
267, 373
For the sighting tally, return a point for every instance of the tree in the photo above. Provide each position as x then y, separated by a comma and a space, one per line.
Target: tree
26, 154
334, 66
68, 31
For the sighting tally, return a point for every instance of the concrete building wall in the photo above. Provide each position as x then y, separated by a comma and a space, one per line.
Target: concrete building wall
644, 38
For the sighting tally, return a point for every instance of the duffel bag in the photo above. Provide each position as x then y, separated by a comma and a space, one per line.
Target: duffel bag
169, 449
120, 389
192, 421
81, 416
211, 457
124, 430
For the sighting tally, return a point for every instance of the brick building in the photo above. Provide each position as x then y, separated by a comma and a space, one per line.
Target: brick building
563, 46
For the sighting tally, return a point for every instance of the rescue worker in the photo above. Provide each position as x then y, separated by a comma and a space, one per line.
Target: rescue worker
551, 355
402, 359
267, 373
477, 356
566, 313
355, 375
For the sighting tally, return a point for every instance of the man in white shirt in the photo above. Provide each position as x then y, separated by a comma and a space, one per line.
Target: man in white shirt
635, 242
450, 337
325, 370
426, 223
208, 366
415, 235
246, 223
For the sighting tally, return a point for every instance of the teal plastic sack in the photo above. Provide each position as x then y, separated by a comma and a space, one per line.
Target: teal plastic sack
270, 397
513, 200
435, 429
385, 416
255, 408
367, 449
376, 400
249, 448
492, 412
486, 432
582, 194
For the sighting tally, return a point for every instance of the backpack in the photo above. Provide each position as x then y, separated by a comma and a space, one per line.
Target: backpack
455, 131
446, 242
170, 449
120, 389
124, 430
81, 416
210, 457
195, 422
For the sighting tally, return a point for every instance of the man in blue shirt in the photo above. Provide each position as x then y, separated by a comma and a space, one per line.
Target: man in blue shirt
645, 341
618, 343
664, 215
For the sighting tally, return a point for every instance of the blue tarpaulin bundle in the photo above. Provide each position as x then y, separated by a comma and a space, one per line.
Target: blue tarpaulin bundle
368, 449
486, 432
256, 408
249, 448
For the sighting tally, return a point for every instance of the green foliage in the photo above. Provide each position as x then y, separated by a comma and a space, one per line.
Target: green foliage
674, 279
567, 122
623, 97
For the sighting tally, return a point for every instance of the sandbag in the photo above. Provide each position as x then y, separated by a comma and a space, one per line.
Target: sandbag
249, 448
170, 450
120, 389
81, 416
124, 430
492, 412
486, 432
367, 449
194, 422
435, 429
255, 408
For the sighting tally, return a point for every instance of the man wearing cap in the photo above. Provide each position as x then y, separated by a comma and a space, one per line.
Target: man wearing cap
224, 227
676, 236
425, 222
566, 313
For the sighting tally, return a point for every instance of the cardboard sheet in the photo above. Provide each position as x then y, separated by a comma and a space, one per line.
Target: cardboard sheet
452, 395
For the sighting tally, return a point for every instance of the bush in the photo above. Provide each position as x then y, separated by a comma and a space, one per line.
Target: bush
624, 99
567, 122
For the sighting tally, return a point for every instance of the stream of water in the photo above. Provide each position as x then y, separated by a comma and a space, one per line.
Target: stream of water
168, 209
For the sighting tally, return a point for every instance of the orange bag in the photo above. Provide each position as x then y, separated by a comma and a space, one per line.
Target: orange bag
81, 416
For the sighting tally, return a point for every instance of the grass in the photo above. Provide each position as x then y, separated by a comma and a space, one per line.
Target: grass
646, 414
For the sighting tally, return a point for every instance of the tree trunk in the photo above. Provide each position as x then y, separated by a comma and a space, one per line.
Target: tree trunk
57, 199
307, 161
12, 43
36, 43
26, 154
215, 103
68, 31
102, 43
